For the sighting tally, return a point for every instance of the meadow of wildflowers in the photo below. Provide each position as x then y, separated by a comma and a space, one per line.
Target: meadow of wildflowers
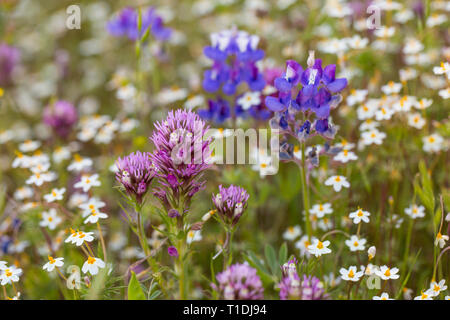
115, 119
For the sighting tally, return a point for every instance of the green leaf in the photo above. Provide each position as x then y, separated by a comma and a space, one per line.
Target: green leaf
266, 278
271, 258
135, 291
282, 254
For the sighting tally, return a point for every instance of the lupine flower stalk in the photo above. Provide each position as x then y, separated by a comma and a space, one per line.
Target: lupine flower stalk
234, 54
302, 109
125, 23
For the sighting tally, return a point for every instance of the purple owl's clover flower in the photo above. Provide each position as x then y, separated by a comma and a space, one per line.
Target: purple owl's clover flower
239, 282
230, 203
60, 116
125, 23
135, 172
318, 95
293, 288
9, 58
181, 156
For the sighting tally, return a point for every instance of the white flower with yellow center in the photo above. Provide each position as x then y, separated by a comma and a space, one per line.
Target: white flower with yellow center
444, 93
78, 237
433, 143
345, 156
407, 74
88, 181
356, 42
366, 111
355, 243
91, 204
79, 163
249, 99
444, 68
128, 124
77, 199
371, 252
369, 124
337, 182
9, 275
50, 219
60, 154
386, 273
423, 103
53, 263
193, 235
359, 215
370, 269
384, 113
415, 120
391, 87
404, 15
21, 161
437, 288
373, 137
86, 133
38, 179
383, 296
345, 145
440, 240
29, 145
427, 295
415, 211
92, 265
303, 245
292, 233
194, 102
325, 224
412, 46
436, 19
94, 216
351, 274
319, 248
23, 193
405, 103
320, 210
55, 194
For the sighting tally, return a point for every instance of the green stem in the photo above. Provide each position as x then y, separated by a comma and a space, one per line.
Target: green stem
144, 244
408, 242
305, 193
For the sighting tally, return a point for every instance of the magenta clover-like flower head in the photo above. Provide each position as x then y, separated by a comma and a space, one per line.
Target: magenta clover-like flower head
230, 203
239, 282
9, 59
61, 117
135, 172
